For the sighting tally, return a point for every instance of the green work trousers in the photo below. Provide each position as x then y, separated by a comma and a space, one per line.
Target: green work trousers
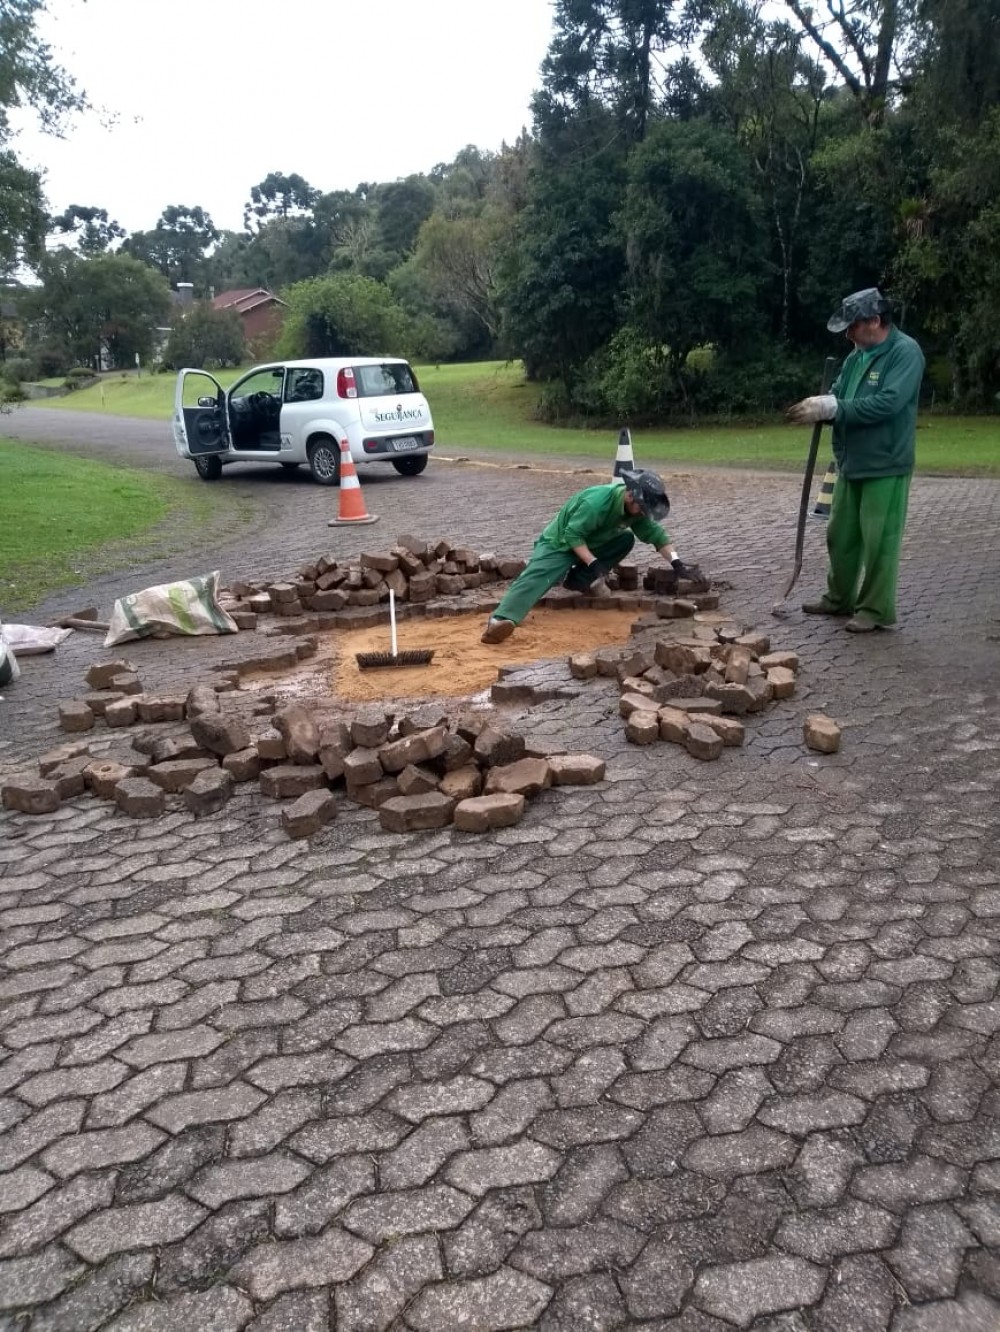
548, 566
863, 539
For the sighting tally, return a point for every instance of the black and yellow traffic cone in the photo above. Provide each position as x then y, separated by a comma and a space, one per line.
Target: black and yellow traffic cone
624, 461
824, 497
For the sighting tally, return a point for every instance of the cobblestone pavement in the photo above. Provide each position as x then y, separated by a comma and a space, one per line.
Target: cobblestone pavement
706, 1046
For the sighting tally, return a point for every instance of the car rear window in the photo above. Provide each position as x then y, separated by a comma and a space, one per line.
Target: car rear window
389, 379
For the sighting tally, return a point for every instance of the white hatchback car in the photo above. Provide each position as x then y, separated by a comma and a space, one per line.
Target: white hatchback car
301, 412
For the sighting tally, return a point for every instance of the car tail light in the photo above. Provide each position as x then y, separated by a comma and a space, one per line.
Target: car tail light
371, 445
346, 387
428, 437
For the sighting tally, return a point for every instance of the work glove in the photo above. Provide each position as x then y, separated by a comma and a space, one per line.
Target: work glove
683, 570
810, 410
594, 572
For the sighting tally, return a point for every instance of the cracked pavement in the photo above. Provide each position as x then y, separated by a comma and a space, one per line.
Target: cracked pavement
707, 1046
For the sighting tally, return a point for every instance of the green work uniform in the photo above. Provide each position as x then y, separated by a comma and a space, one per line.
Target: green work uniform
595, 518
874, 438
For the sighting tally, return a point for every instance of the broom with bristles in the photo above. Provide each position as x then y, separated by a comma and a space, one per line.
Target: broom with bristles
413, 657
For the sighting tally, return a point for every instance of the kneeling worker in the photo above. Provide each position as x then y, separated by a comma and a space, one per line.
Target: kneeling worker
590, 534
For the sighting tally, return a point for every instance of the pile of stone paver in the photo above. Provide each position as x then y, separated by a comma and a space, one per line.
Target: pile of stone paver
416, 571
692, 691
419, 768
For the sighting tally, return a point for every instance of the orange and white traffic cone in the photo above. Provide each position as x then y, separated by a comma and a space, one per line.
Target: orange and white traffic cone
352, 505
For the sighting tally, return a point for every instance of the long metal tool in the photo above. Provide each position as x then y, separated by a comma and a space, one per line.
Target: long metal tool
829, 372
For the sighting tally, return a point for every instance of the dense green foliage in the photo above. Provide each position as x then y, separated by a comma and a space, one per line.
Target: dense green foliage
701, 185
205, 338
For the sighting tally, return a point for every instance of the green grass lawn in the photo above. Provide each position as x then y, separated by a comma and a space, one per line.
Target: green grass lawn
64, 520
488, 405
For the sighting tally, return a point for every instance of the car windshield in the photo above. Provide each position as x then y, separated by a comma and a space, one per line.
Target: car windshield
388, 379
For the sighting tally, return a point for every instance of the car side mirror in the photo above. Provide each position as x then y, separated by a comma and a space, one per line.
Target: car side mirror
207, 402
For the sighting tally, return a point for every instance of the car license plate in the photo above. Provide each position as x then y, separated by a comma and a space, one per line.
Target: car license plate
408, 442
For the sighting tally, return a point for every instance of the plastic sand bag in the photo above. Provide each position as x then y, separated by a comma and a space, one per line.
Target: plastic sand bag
9, 669
188, 607
31, 640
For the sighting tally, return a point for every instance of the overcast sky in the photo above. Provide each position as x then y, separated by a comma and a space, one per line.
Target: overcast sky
211, 95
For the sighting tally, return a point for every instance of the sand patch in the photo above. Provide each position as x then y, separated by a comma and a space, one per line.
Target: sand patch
461, 666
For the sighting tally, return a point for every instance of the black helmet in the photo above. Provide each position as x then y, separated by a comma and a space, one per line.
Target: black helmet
649, 493
867, 304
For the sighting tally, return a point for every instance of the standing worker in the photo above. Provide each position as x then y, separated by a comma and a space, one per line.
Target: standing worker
873, 407
591, 533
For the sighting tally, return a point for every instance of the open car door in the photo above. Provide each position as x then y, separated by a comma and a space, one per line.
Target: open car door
201, 415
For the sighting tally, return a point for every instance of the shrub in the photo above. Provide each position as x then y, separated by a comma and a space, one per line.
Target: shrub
205, 337
19, 369
78, 377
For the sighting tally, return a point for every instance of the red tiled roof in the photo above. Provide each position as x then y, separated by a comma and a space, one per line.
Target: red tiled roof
244, 299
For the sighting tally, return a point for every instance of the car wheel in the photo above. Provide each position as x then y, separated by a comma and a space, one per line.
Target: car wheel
208, 466
410, 466
324, 461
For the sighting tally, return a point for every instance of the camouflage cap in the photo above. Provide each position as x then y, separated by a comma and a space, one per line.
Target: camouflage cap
648, 491
867, 304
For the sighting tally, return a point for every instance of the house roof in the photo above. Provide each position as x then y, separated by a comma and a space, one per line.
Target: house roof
244, 299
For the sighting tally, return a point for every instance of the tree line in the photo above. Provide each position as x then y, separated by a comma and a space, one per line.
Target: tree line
701, 182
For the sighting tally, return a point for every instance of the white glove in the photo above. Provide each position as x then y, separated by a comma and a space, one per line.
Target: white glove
821, 408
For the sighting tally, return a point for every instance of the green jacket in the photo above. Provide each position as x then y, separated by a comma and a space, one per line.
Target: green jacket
875, 430
594, 516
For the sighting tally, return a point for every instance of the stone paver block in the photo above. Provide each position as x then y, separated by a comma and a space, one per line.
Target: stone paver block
220, 734
139, 1226
407, 1212
374, 1300
525, 1162
271, 1269
99, 1295
309, 813
456, 1096
824, 1235
585, 1304
258, 1178
209, 791
504, 1299
31, 795
140, 798
206, 1107
289, 781
754, 1150
576, 769
21, 1187
483, 813
923, 1179
28, 1281
413, 813
821, 733
75, 716
859, 1297
658, 1282
311, 1208
928, 1257
93, 1151
222, 1309
741, 1292
176, 774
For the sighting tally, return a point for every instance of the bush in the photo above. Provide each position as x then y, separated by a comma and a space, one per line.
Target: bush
50, 362
630, 381
11, 393
19, 369
205, 337
78, 377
